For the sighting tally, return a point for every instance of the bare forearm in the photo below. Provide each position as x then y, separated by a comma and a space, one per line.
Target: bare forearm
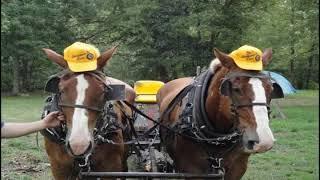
11, 130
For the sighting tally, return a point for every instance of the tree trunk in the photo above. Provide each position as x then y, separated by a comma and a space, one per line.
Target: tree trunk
15, 83
292, 50
30, 84
308, 73
25, 76
212, 45
163, 73
310, 66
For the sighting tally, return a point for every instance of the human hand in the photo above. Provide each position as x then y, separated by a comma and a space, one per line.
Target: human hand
53, 119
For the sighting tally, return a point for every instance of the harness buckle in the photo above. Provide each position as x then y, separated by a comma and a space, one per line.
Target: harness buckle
216, 163
86, 163
64, 127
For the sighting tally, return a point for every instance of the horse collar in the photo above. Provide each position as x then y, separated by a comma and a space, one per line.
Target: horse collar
198, 98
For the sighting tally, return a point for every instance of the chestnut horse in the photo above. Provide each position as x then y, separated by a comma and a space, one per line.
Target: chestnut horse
230, 120
82, 99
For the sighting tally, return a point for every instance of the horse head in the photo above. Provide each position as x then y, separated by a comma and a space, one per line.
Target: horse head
81, 99
245, 95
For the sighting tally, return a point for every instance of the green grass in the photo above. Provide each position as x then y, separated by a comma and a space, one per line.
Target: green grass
294, 155
22, 108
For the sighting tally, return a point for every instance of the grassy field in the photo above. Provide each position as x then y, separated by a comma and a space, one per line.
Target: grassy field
294, 156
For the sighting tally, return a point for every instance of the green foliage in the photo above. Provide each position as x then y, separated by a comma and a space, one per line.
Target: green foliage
158, 39
27, 27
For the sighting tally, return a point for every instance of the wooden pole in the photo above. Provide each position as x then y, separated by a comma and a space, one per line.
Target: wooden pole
198, 70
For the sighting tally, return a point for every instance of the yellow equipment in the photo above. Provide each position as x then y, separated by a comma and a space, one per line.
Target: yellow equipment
146, 90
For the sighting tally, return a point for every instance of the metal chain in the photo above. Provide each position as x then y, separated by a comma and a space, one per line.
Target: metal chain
233, 138
86, 163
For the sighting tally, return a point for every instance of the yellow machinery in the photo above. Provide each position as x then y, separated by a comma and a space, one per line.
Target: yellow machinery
146, 101
146, 90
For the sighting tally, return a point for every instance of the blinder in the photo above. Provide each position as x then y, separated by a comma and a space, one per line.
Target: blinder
52, 85
225, 87
115, 92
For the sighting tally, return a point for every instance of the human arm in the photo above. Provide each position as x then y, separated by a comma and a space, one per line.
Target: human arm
12, 130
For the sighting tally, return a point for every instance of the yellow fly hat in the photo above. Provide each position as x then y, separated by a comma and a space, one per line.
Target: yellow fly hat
81, 57
247, 57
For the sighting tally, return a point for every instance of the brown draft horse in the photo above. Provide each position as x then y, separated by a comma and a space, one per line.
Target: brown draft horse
250, 96
86, 92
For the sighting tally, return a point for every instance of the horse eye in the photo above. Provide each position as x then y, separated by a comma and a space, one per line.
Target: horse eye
237, 90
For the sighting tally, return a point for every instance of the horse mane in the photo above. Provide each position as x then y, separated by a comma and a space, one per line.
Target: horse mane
215, 65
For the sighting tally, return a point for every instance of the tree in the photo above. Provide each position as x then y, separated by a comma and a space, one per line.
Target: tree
158, 39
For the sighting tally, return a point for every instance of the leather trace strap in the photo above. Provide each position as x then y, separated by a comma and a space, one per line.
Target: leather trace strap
80, 106
213, 141
177, 100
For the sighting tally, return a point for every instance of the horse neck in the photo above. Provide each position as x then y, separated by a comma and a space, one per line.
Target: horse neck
217, 106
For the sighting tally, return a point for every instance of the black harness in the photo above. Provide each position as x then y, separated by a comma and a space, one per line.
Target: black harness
193, 121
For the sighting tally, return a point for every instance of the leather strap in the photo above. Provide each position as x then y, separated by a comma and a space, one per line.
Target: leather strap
80, 106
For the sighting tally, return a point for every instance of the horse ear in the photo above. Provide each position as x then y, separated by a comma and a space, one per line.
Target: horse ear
104, 57
55, 57
266, 56
225, 60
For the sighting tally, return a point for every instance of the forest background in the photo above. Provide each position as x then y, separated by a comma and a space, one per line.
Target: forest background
158, 39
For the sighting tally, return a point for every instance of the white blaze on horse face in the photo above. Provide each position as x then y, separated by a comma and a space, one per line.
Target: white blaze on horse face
80, 137
264, 132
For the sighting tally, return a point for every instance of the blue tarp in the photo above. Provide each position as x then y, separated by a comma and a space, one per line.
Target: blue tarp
284, 83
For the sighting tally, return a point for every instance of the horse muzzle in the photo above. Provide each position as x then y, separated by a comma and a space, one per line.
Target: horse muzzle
253, 144
76, 149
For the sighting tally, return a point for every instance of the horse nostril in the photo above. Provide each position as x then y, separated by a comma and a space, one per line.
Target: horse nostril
68, 145
69, 149
251, 143
90, 146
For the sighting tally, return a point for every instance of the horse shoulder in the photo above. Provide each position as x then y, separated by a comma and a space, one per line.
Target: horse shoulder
170, 90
